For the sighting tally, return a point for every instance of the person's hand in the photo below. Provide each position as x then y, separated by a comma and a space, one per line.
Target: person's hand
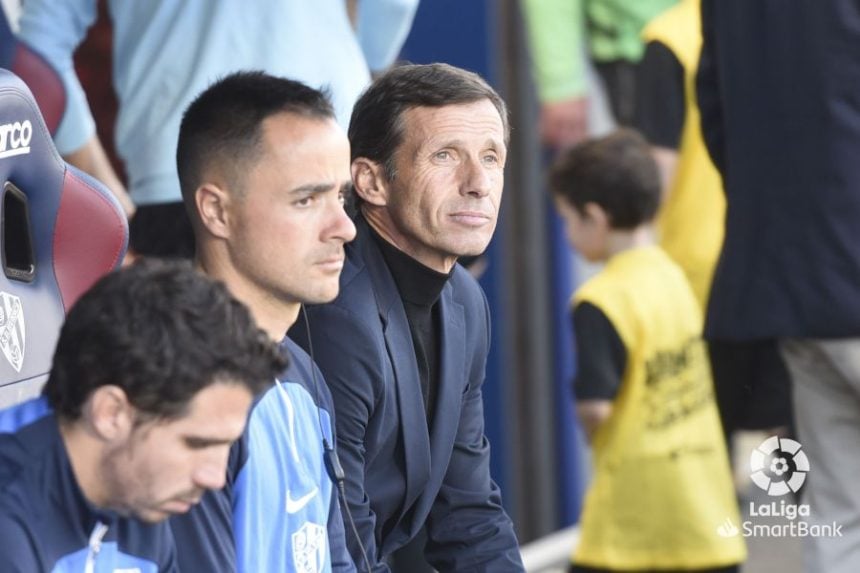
124, 200
564, 123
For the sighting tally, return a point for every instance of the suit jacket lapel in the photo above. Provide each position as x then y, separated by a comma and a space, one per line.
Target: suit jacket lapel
398, 342
452, 379
452, 383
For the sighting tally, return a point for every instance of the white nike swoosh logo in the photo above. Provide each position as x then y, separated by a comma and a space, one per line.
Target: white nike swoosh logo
294, 505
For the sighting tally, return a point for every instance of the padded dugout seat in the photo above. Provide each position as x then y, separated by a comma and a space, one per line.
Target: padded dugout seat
42, 79
60, 230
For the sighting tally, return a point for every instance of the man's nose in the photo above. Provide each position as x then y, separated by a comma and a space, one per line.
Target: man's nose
341, 226
211, 473
477, 179
211, 477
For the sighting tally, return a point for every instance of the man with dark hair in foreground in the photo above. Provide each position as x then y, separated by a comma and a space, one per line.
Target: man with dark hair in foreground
153, 375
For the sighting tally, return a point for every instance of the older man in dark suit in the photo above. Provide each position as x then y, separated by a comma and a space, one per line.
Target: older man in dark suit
404, 347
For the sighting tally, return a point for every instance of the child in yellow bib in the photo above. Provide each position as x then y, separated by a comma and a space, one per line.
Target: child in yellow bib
662, 497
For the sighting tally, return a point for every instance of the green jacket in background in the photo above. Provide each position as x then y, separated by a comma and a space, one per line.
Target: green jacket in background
557, 31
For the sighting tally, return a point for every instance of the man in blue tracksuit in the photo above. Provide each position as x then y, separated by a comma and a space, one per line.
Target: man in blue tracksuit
282, 455
129, 430
263, 167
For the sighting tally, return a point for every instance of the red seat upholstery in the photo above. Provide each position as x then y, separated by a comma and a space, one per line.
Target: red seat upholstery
37, 73
60, 230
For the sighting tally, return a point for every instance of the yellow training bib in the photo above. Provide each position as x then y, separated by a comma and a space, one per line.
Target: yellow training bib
662, 482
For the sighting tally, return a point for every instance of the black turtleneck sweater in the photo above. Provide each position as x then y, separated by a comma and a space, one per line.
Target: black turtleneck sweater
419, 289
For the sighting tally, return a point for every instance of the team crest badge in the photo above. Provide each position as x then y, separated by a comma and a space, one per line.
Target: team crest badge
309, 548
12, 331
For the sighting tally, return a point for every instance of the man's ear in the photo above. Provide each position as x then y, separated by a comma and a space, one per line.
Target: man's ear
597, 215
369, 181
111, 414
213, 209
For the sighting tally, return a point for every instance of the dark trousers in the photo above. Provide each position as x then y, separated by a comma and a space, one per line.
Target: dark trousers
751, 383
162, 230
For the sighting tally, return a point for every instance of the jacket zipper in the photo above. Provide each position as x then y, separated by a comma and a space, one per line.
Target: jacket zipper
95, 545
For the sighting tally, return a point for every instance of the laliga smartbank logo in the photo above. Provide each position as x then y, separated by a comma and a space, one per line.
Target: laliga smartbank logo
779, 467
15, 138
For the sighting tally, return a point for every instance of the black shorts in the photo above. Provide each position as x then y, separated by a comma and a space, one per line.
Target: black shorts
162, 230
751, 384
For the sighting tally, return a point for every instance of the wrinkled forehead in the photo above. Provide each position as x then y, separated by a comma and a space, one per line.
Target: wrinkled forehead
478, 120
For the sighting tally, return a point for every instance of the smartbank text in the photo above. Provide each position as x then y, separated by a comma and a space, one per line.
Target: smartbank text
794, 528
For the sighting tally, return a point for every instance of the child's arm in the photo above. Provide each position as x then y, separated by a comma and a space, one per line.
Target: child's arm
601, 358
592, 413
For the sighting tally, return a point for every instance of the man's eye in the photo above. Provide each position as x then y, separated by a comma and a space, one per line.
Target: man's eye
304, 201
444, 155
197, 443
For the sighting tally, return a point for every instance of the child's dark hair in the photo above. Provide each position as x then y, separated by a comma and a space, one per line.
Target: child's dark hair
617, 172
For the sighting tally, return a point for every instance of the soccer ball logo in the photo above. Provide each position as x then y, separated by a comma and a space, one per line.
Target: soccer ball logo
779, 466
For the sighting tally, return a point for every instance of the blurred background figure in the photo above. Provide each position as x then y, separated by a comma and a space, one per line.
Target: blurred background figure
777, 87
690, 221
750, 378
643, 387
560, 33
166, 52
